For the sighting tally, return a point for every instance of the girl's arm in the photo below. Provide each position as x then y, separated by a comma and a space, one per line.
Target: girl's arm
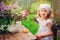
49, 25
45, 34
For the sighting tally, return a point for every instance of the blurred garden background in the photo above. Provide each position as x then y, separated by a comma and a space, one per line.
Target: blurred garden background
30, 7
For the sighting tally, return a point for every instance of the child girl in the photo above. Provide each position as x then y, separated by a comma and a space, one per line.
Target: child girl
45, 23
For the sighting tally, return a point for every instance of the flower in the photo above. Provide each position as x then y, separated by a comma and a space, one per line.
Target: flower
2, 7
14, 27
25, 14
2, 27
11, 19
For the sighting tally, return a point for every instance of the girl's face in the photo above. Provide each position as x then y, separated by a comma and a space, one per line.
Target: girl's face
43, 12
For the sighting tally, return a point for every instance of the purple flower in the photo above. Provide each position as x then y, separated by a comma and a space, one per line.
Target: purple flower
2, 7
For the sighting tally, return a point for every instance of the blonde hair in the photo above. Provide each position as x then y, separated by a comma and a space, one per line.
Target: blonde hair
49, 16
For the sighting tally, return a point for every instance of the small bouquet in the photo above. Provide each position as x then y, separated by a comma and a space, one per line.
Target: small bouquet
10, 18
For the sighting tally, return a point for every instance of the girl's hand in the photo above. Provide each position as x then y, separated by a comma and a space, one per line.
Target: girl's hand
39, 37
25, 31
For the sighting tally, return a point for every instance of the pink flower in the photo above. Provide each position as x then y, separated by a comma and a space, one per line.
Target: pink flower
25, 14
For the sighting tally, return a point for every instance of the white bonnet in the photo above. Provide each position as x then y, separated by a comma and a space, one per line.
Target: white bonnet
46, 6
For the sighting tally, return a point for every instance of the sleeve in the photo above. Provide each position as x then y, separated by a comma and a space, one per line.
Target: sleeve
49, 21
